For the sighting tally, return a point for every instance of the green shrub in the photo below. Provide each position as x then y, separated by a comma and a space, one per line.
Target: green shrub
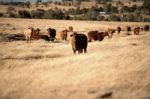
130, 17
39, 13
24, 14
51, 14
114, 18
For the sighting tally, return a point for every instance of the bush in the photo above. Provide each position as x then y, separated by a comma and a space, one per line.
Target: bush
67, 17
91, 14
146, 20
100, 18
114, 18
11, 9
24, 14
130, 17
138, 18
51, 14
39, 13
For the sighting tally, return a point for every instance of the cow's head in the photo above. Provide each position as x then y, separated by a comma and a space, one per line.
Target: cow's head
38, 29
70, 29
48, 29
74, 34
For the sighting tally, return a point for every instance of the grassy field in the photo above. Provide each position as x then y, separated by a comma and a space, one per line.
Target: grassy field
118, 66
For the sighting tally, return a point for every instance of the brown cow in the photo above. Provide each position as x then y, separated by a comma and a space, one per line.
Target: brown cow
110, 32
51, 34
146, 28
95, 35
92, 35
70, 29
79, 42
136, 30
63, 34
102, 35
119, 29
35, 33
128, 29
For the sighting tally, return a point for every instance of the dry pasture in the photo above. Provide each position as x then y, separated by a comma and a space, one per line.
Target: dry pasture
116, 68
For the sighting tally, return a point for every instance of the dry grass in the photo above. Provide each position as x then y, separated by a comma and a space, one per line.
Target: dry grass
43, 70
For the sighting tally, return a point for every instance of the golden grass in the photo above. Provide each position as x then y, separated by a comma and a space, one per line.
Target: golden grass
44, 70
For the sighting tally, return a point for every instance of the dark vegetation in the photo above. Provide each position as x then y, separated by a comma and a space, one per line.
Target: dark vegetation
109, 12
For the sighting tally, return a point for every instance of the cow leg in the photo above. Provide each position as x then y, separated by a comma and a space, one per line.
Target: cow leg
85, 50
111, 35
74, 51
26, 39
30, 39
81, 50
51, 39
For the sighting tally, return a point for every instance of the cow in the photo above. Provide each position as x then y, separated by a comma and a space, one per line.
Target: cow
51, 34
101, 35
63, 34
128, 29
136, 30
27, 33
70, 29
35, 34
146, 28
95, 35
118, 29
92, 35
110, 32
79, 42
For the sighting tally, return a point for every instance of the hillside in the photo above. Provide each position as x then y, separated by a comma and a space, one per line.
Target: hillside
84, 4
116, 68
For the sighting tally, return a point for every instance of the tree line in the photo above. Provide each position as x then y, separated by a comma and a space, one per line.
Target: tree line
112, 13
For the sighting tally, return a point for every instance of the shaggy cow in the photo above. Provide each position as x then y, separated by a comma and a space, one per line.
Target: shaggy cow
146, 28
110, 32
79, 42
51, 34
119, 29
95, 35
27, 33
136, 30
63, 34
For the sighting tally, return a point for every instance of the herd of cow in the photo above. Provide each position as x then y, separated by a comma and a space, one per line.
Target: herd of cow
79, 41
